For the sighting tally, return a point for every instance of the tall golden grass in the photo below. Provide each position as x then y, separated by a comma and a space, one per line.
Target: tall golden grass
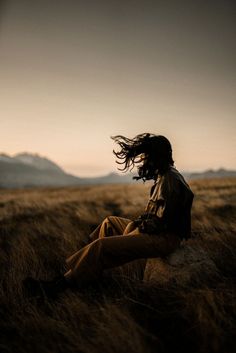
186, 302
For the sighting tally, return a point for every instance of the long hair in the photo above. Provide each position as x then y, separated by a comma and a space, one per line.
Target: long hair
151, 154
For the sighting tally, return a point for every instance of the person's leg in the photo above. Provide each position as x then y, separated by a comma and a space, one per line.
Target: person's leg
103, 254
109, 252
111, 225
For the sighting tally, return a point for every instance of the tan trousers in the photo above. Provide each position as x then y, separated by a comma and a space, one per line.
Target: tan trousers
116, 242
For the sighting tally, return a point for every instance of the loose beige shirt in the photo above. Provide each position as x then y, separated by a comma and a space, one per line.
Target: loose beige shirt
171, 200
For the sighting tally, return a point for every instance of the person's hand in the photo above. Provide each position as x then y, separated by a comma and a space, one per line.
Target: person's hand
136, 223
153, 225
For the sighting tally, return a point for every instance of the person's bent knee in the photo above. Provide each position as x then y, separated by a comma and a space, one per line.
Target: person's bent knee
106, 220
109, 219
108, 226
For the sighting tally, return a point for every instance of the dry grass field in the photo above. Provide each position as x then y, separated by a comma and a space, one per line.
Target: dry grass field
186, 302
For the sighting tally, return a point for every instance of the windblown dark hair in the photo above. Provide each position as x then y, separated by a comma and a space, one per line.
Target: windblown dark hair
151, 154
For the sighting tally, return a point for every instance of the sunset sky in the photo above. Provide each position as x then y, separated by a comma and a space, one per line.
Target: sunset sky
73, 73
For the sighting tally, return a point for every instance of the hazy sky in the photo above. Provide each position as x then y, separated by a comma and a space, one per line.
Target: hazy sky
73, 73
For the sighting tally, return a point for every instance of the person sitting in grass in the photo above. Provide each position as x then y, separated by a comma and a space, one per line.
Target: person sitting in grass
165, 222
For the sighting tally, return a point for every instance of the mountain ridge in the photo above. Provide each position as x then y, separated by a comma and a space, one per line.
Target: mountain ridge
38, 161
32, 170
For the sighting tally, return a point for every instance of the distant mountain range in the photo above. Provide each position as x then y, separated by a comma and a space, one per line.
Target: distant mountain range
30, 170
210, 173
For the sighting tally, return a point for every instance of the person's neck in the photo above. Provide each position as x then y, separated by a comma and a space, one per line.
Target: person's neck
157, 173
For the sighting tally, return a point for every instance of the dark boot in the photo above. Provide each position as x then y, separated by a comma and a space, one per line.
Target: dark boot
48, 289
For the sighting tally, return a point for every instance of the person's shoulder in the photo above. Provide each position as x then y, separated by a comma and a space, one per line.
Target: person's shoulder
172, 174
175, 174
174, 178
178, 178
171, 177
